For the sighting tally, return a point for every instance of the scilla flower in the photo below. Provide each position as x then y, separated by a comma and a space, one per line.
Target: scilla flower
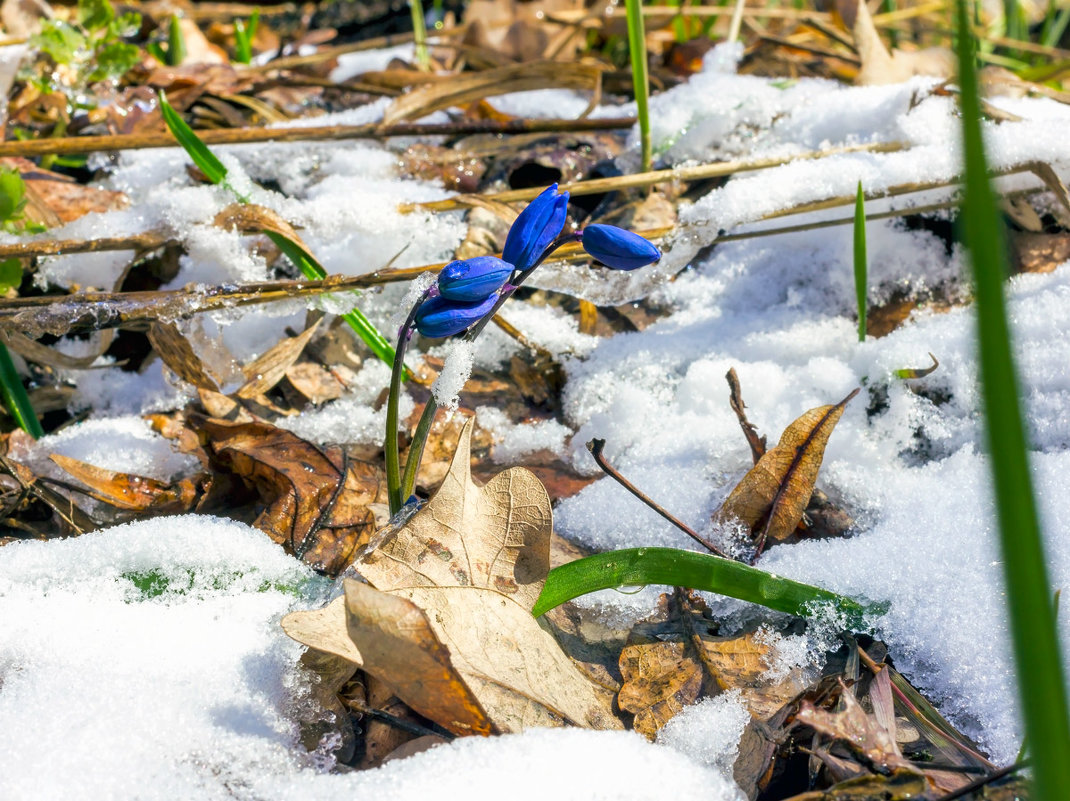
617, 248
472, 280
538, 225
442, 317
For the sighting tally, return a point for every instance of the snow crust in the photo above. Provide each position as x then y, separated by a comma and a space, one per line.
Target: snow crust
150, 657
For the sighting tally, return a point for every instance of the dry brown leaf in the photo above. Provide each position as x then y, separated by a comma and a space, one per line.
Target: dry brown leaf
462, 576
178, 354
314, 382
317, 498
881, 67
468, 87
198, 49
866, 734
401, 648
663, 677
127, 491
270, 368
775, 492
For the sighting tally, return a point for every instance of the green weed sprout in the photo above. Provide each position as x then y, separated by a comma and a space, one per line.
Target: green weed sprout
640, 79
419, 33
244, 33
860, 262
12, 220
215, 172
1041, 684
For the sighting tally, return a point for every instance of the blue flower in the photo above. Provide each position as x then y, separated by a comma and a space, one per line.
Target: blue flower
472, 280
441, 317
617, 248
537, 226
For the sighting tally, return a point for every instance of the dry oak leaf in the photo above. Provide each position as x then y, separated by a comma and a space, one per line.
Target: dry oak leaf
775, 492
317, 499
663, 677
447, 622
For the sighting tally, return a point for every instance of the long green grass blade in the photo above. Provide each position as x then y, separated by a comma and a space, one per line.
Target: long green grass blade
640, 79
309, 266
699, 571
860, 261
197, 150
15, 397
1036, 644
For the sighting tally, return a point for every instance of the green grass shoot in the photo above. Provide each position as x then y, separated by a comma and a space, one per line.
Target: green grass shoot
419, 34
640, 79
15, 398
1041, 685
176, 42
215, 172
244, 33
860, 261
700, 571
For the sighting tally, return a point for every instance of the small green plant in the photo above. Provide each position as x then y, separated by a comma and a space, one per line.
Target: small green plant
860, 262
13, 218
215, 172
91, 48
244, 33
419, 34
1041, 682
13, 221
640, 79
175, 52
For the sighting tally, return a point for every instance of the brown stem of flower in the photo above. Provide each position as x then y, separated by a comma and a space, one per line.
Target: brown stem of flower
595, 446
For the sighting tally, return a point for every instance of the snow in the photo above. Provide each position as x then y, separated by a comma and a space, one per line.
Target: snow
188, 694
150, 656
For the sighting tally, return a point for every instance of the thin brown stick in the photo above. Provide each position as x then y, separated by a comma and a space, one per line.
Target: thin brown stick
825, 52
595, 446
750, 431
320, 133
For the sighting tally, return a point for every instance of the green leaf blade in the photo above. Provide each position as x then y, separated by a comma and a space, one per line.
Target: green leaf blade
205, 160
1041, 682
674, 567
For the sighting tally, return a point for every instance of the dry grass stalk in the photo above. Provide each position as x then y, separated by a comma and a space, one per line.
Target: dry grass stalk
237, 136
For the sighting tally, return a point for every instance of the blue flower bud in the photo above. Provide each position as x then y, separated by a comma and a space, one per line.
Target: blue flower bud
537, 226
472, 280
440, 317
617, 248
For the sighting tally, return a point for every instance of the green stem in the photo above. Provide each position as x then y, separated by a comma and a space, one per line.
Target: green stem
861, 263
15, 397
419, 436
700, 571
390, 444
419, 34
640, 79
416, 447
1041, 683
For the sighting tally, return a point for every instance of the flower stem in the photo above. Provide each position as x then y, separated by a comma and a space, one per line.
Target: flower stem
390, 444
419, 435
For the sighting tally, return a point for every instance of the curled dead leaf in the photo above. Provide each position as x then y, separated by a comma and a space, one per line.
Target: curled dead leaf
317, 499
772, 497
128, 491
